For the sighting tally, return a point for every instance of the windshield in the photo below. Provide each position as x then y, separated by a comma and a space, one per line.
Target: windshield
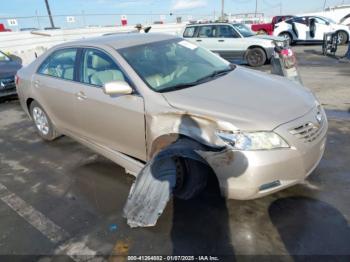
4, 57
244, 30
174, 64
329, 20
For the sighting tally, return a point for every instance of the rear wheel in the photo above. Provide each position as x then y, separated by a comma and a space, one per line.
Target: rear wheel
256, 57
342, 38
191, 178
287, 37
42, 122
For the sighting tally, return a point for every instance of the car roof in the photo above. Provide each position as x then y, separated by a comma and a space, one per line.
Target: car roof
214, 23
122, 40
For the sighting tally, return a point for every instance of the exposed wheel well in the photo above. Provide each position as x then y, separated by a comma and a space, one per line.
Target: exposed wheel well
28, 102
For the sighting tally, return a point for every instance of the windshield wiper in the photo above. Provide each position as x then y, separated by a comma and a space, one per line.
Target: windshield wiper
201, 80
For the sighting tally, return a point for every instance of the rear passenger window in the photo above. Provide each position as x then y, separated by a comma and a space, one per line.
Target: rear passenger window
207, 31
98, 68
189, 31
60, 64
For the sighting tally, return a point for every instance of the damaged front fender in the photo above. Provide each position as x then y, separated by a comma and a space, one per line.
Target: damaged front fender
155, 183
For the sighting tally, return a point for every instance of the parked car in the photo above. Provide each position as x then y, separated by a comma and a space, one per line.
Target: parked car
232, 41
130, 96
267, 28
310, 29
9, 66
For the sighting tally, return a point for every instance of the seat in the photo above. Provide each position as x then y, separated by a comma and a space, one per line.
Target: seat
101, 77
101, 72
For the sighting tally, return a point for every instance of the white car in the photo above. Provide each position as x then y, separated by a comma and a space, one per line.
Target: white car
233, 41
310, 29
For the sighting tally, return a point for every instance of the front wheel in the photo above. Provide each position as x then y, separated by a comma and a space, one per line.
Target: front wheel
191, 178
42, 122
256, 57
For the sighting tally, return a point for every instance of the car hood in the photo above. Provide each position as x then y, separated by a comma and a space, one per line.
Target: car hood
248, 99
9, 68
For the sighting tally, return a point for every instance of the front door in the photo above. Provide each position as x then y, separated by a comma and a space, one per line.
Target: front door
114, 121
321, 27
230, 45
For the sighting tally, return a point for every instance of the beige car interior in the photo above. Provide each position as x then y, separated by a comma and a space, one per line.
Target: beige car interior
99, 69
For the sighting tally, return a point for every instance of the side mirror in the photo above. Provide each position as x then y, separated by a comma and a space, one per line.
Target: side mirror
117, 88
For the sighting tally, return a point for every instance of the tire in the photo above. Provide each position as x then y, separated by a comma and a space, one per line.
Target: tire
191, 178
256, 57
42, 122
262, 32
287, 36
342, 38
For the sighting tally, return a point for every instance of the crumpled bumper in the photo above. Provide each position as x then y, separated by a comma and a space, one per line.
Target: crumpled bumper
245, 175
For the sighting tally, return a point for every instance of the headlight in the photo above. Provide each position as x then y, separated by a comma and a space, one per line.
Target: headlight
252, 140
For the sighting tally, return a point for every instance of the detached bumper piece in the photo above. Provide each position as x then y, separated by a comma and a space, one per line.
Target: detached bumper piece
154, 184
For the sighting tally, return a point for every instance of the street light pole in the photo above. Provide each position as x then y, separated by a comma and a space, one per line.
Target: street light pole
256, 7
222, 9
49, 13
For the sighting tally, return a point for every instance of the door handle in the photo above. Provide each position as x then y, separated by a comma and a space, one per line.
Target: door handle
81, 96
199, 40
221, 40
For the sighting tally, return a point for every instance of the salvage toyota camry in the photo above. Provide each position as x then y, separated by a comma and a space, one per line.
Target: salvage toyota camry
128, 97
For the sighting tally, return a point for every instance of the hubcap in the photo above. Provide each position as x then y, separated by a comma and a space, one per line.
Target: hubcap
41, 121
340, 38
255, 57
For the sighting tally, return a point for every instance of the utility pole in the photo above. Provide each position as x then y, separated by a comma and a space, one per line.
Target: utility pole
222, 10
256, 7
324, 5
49, 13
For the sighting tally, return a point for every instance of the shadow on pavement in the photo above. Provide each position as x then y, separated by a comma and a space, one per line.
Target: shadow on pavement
201, 225
311, 227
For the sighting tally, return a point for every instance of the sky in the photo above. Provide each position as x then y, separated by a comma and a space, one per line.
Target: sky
141, 11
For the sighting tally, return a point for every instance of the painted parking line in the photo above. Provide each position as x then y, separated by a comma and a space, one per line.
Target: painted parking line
75, 249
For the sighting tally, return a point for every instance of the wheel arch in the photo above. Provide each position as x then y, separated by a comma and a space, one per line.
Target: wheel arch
289, 33
29, 101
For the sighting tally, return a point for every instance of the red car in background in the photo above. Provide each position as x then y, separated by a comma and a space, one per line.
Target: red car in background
267, 29
3, 29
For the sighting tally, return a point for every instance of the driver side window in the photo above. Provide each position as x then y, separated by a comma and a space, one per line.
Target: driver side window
226, 31
98, 68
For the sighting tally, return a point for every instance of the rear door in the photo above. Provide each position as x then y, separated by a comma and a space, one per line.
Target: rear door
114, 121
55, 87
300, 27
205, 36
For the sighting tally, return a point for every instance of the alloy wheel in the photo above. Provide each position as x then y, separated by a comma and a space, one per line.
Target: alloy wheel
41, 121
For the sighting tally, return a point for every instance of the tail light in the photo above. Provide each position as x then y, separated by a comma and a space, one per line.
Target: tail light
17, 80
